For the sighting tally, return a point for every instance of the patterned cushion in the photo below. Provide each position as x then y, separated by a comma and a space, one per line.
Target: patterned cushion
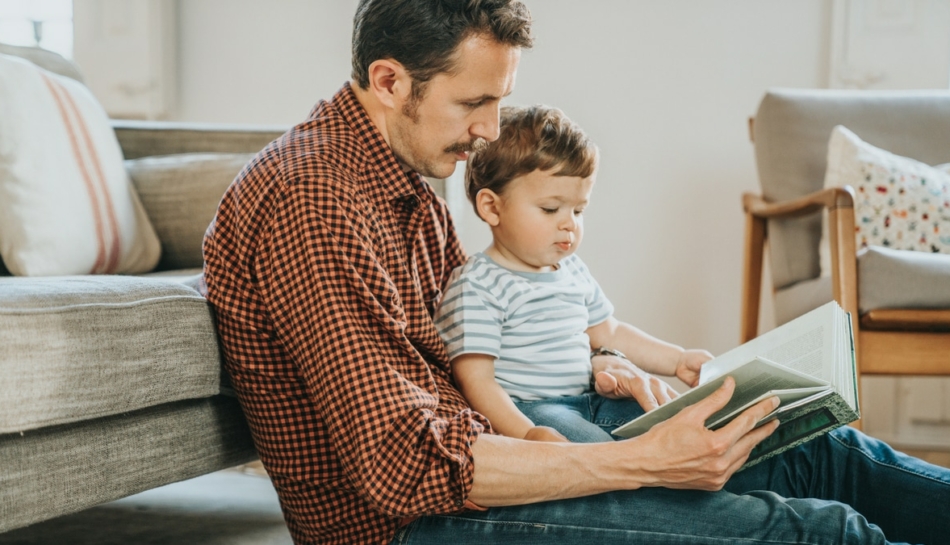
900, 203
66, 204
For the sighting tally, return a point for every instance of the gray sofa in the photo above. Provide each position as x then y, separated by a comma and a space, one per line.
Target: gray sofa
110, 385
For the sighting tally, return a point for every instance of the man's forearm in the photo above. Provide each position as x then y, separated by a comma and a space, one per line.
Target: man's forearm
514, 472
677, 453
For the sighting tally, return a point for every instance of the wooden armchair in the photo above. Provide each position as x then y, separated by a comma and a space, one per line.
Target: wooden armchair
790, 133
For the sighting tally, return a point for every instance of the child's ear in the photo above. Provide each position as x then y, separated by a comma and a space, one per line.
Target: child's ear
487, 203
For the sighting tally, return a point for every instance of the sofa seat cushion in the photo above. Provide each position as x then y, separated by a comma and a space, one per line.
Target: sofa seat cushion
81, 347
887, 279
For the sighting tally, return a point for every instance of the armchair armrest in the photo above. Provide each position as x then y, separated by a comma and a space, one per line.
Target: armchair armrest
152, 138
839, 202
832, 199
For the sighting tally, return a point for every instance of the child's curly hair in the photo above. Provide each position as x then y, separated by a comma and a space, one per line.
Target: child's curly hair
532, 138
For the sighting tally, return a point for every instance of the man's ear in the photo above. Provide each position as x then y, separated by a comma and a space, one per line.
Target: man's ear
390, 83
488, 203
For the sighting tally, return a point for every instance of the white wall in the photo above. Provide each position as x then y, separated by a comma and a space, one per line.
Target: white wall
261, 61
665, 89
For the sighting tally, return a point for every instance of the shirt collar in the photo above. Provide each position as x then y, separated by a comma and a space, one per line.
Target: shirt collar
393, 181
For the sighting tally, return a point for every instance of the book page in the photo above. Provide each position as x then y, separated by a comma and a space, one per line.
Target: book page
801, 353
758, 377
788, 400
753, 379
806, 344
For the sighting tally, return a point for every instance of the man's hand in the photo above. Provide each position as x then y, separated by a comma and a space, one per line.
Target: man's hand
619, 378
545, 433
682, 453
689, 364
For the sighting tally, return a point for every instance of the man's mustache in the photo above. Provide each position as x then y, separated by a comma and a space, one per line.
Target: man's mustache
476, 145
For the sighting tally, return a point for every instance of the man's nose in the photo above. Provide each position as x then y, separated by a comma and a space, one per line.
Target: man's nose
487, 125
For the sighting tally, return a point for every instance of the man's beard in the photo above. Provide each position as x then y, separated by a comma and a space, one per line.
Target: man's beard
423, 165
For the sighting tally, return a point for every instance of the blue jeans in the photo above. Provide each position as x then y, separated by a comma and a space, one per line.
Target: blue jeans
587, 418
843, 487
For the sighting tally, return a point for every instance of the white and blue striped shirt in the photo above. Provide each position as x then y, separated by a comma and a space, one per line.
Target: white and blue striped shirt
534, 324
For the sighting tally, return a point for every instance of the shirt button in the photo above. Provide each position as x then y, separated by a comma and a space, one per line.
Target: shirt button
459, 503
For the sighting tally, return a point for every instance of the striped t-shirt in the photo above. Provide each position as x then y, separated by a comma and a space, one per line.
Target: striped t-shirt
534, 324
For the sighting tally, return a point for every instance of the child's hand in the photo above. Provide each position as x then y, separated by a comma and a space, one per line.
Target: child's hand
544, 433
689, 364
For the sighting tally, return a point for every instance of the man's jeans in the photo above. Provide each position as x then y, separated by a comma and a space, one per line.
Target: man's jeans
843, 487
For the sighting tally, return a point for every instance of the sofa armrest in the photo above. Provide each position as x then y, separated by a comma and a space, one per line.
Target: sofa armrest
153, 138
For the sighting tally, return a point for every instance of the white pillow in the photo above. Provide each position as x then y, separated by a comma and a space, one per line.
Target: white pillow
899, 203
66, 203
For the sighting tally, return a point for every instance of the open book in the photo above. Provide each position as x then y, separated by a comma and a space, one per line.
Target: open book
808, 363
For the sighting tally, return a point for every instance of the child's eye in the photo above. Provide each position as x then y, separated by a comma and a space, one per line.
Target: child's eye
579, 212
549, 210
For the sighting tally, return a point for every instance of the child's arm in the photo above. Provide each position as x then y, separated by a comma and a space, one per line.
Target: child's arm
475, 376
647, 352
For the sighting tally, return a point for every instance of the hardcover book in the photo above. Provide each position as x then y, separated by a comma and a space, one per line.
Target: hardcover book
808, 363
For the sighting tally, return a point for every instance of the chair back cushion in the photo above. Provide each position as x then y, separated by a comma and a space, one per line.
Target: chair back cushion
791, 133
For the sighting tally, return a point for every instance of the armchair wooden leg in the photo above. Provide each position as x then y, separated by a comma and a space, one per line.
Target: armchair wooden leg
844, 266
752, 276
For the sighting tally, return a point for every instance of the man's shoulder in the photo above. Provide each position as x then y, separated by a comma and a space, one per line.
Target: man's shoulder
322, 148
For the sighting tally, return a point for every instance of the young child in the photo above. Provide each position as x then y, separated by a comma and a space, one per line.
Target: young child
520, 319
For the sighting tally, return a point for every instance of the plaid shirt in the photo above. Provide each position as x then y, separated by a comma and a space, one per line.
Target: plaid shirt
324, 265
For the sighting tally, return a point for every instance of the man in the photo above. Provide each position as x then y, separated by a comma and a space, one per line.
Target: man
325, 264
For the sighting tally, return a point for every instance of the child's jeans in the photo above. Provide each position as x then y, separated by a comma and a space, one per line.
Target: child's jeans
586, 418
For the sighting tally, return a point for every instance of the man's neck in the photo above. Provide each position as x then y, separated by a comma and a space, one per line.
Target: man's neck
374, 109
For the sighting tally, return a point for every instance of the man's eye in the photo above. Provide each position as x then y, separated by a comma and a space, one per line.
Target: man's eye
472, 105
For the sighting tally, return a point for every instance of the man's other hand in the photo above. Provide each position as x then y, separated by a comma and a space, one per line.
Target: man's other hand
682, 453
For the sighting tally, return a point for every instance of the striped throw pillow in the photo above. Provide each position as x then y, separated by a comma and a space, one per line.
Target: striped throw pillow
66, 203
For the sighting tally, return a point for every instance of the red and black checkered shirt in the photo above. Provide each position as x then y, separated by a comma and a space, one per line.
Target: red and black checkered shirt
324, 265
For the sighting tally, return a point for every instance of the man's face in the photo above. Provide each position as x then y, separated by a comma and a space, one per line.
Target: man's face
457, 111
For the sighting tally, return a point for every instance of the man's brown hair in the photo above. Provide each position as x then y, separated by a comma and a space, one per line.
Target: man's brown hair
423, 35
531, 138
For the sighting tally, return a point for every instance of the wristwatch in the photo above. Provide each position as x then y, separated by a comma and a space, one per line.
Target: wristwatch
604, 351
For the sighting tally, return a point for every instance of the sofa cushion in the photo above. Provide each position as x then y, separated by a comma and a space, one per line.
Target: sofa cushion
66, 204
181, 194
63, 469
74, 348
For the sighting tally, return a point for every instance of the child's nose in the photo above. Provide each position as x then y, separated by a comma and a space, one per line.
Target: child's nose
569, 223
